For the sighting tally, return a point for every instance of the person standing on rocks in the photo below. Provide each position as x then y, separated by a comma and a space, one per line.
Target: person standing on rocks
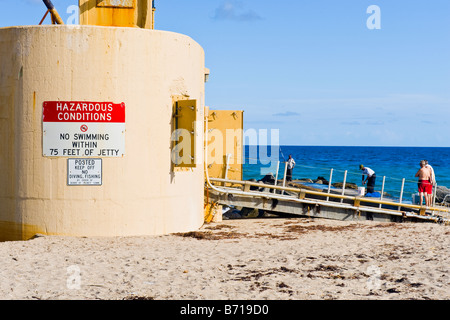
371, 177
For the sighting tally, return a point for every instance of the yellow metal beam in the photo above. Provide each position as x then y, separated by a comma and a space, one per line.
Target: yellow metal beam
55, 15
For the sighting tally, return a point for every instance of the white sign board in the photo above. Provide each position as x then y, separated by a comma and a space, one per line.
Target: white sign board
83, 129
84, 172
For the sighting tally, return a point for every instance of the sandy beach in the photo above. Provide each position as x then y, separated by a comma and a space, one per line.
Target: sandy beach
270, 258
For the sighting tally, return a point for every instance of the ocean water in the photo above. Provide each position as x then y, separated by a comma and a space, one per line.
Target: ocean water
393, 163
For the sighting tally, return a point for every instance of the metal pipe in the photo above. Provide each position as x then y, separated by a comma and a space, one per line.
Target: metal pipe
276, 175
43, 18
434, 194
401, 192
382, 190
53, 11
329, 182
343, 184
285, 171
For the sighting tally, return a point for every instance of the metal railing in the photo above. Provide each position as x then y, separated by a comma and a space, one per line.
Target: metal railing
302, 193
385, 192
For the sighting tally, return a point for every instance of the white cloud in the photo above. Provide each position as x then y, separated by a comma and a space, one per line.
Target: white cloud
233, 10
286, 114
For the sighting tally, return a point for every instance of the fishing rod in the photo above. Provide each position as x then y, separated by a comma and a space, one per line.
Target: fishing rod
282, 154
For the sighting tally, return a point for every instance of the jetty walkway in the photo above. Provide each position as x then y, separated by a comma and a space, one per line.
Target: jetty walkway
335, 204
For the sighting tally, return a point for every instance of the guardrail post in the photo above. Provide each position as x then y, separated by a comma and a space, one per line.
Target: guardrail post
329, 182
343, 185
401, 192
284, 177
434, 194
276, 176
382, 190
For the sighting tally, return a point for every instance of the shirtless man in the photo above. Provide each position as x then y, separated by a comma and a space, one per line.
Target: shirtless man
424, 175
433, 181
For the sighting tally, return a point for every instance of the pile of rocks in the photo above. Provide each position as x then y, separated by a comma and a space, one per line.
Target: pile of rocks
270, 179
442, 195
322, 180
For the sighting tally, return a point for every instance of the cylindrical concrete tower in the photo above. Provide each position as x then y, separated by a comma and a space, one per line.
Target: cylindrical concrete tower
86, 122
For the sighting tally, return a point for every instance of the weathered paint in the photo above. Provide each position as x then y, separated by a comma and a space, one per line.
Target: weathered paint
117, 13
13, 231
117, 3
141, 193
225, 136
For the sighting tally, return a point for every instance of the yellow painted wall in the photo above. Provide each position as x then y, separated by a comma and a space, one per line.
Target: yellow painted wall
141, 193
117, 13
225, 136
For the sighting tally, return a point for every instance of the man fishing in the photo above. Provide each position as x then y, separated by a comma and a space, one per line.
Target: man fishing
371, 176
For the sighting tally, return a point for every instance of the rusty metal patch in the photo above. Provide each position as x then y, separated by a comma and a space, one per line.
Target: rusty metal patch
116, 3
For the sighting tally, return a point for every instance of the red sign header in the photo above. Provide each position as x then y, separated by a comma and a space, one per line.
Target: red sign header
83, 111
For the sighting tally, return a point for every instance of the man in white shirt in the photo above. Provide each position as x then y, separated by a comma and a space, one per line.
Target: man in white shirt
290, 167
433, 177
371, 176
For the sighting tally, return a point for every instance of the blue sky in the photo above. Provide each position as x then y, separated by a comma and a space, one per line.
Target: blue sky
312, 68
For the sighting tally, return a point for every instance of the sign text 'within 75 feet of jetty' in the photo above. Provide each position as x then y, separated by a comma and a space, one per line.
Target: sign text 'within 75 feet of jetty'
83, 129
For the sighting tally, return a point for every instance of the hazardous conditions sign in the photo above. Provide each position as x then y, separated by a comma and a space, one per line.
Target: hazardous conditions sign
83, 129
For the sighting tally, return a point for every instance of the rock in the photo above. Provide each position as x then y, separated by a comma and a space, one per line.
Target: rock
249, 213
321, 180
442, 194
232, 214
351, 186
268, 178
348, 185
302, 186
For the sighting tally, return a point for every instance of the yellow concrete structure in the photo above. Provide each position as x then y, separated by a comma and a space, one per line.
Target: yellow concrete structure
118, 13
140, 193
225, 143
